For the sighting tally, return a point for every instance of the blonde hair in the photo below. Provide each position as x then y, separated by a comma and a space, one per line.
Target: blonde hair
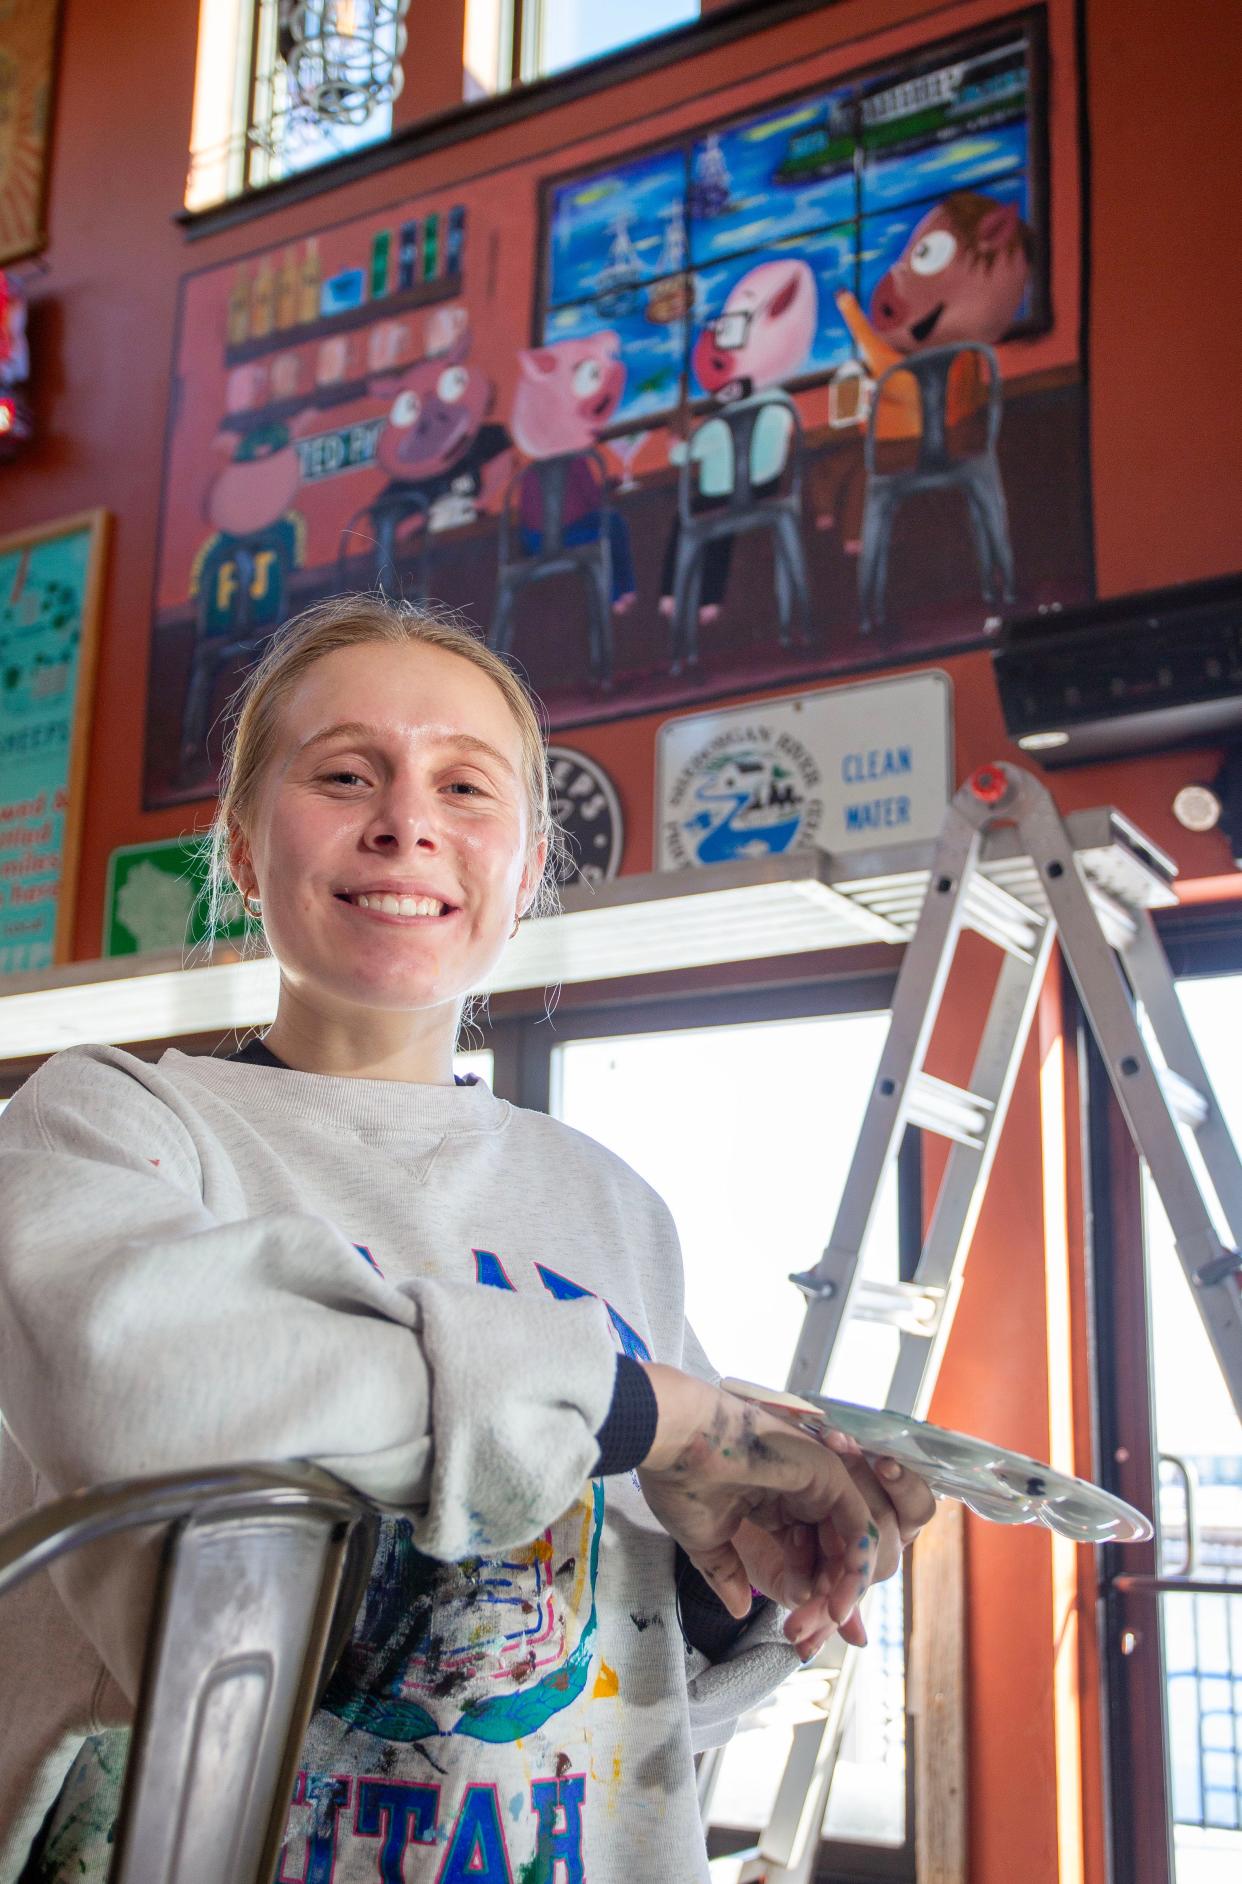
350, 621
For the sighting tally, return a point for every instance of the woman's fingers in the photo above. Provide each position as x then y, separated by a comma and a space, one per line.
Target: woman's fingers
727, 1575
909, 1496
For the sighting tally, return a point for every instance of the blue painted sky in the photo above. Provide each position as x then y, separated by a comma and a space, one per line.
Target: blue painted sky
581, 227
965, 163
762, 210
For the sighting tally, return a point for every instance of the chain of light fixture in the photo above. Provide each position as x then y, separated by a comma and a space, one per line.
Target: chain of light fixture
343, 57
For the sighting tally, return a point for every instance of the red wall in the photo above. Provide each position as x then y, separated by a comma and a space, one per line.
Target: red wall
1165, 280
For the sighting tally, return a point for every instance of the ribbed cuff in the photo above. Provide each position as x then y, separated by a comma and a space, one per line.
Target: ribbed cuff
629, 1428
705, 1622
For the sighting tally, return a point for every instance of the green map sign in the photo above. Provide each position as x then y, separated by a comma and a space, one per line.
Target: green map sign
155, 898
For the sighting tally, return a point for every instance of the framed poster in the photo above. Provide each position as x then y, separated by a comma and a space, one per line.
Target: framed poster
27, 68
50, 587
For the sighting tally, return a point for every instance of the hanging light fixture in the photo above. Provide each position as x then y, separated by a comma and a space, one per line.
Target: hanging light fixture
343, 57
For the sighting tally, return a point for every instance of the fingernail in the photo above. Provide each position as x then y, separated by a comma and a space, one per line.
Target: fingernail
888, 1469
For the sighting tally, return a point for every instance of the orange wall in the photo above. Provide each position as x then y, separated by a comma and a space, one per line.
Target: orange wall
1164, 204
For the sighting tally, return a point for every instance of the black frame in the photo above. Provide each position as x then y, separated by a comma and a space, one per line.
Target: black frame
1032, 20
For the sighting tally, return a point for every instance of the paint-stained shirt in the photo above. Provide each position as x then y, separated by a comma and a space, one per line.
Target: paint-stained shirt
424, 1289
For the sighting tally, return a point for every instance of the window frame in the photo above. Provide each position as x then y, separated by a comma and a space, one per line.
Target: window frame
1200, 942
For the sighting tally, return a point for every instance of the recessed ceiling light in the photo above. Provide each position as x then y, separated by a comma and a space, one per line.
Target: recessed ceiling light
1197, 808
1042, 742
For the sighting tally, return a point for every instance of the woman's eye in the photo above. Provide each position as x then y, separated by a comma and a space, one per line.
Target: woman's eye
465, 785
343, 778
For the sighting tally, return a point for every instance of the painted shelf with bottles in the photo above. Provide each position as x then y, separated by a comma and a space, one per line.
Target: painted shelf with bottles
325, 326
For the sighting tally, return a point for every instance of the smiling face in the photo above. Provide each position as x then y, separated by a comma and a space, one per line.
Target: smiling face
389, 841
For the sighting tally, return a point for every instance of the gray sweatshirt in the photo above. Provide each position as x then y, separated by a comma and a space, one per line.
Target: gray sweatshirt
423, 1289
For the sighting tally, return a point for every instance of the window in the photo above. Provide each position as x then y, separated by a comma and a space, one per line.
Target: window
508, 41
656, 259
776, 1102
249, 128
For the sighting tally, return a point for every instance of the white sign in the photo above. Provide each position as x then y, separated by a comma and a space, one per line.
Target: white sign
847, 769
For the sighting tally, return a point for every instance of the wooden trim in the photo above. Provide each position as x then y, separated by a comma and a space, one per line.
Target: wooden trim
937, 1699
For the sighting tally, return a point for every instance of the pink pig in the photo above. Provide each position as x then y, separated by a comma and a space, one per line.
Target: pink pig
566, 394
763, 333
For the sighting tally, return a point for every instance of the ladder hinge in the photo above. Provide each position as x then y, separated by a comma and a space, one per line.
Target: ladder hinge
1228, 1263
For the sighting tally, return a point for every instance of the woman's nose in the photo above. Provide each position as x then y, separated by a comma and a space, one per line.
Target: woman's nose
405, 818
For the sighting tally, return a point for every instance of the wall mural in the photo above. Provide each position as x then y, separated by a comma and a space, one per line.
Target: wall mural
780, 397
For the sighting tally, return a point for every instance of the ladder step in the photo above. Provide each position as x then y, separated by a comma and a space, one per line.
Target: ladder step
994, 913
1186, 1102
906, 1305
903, 1305
949, 1110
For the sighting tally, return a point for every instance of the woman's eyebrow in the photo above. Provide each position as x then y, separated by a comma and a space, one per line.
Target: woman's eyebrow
361, 729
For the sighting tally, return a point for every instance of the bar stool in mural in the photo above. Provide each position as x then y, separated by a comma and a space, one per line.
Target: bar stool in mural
557, 519
929, 380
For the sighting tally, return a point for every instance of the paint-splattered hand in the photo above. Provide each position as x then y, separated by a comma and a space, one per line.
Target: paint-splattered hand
722, 1470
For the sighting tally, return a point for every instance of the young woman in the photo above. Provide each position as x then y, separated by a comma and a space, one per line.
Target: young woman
324, 1247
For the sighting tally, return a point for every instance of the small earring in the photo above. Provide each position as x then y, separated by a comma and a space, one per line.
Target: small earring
255, 905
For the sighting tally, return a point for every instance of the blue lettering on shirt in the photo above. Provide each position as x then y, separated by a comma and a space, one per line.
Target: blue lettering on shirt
559, 1805
402, 1815
477, 1854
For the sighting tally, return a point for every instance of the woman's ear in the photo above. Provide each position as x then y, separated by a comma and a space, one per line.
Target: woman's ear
532, 876
241, 869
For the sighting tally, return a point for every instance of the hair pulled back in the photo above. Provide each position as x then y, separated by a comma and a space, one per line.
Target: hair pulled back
350, 621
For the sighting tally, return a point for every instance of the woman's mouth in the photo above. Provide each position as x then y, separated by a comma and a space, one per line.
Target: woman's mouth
383, 903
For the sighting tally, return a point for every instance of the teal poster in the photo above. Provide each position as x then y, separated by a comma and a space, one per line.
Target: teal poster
47, 579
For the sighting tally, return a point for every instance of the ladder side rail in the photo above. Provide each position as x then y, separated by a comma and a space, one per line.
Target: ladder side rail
831, 1283
1213, 1273
789, 1844
1147, 968
942, 1263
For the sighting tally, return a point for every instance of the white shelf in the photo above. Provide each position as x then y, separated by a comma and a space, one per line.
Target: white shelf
802, 902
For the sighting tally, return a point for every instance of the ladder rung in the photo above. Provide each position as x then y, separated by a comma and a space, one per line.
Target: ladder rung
949, 1110
901, 1305
1186, 1102
1116, 921
905, 1305
1002, 918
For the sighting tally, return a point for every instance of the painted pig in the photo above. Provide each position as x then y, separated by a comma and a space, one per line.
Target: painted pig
764, 331
961, 276
566, 394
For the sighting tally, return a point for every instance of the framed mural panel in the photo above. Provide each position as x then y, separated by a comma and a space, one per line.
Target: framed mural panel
793, 392
50, 586
27, 69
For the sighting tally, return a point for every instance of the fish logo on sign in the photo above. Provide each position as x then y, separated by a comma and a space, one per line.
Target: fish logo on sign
751, 797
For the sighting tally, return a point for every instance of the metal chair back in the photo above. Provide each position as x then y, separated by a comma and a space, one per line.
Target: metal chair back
263, 1571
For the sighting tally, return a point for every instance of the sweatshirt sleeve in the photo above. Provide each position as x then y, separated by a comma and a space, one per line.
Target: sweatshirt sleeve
725, 1685
139, 1334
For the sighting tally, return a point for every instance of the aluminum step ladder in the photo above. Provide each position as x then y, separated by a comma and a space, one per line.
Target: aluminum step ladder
1007, 867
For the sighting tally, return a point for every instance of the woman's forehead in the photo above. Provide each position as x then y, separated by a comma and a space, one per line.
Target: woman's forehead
407, 690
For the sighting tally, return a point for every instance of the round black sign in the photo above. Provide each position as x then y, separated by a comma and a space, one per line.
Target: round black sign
585, 805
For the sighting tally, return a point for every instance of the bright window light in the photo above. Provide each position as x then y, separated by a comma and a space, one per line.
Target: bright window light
565, 33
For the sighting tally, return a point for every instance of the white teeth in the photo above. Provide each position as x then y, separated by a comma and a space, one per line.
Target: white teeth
400, 905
